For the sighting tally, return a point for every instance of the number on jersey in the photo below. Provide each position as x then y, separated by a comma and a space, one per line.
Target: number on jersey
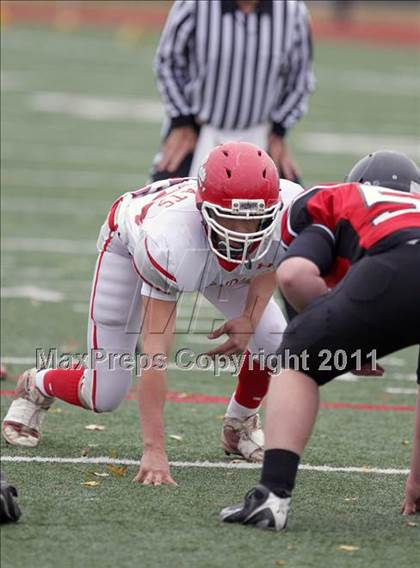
373, 195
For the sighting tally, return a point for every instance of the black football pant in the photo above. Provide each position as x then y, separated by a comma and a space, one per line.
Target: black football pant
374, 311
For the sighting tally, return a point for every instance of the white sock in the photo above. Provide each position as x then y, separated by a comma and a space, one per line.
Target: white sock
39, 381
236, 410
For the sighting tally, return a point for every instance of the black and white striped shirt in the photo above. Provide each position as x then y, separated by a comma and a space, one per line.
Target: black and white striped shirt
217, 65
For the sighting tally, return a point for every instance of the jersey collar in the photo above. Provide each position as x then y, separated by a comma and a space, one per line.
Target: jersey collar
263, 6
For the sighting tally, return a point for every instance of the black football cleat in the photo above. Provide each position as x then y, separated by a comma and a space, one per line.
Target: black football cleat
261, 508
9, 509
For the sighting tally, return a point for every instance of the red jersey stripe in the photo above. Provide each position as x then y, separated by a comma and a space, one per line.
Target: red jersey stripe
158, 266
146, 281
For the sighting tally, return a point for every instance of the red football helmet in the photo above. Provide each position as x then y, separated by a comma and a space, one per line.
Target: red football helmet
238, 180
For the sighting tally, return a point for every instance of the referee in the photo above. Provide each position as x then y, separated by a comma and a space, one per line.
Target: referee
232, 70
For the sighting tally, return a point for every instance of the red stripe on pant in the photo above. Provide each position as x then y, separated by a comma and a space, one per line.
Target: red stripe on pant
252, 384
94, 337
95, 346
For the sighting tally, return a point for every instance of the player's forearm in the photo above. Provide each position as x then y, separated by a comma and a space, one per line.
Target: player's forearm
415, 454
157, 338
300, 282
260, 290
152, 394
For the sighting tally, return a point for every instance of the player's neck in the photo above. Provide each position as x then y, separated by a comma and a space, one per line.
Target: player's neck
247, 6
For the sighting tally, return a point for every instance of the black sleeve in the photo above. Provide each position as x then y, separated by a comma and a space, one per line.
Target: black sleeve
315, 244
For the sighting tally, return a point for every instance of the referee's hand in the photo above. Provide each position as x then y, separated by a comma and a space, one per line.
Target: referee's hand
282, 157
180, 142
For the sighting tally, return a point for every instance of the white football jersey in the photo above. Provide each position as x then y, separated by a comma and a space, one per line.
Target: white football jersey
164, 233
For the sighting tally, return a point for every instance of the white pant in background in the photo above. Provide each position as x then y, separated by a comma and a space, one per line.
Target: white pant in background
210, 137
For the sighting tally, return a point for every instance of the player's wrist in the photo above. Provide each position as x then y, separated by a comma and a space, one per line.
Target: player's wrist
250, 319
182, 121
254, 314
278, 129
156, 447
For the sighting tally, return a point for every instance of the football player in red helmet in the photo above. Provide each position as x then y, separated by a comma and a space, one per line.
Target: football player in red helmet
238, 197
218, 236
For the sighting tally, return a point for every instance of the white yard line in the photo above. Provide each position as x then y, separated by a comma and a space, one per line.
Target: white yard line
80, 308
372, 82
393, 361
60, 246
32, 293
69, 179
98, 108
348, 378
411, 377
150, 110
18, 360
44, 153
200, 464
355, 144
400, 391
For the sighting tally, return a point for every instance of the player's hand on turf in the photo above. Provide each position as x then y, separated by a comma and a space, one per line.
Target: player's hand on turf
411, 503
180, 142
282, 157
239, 331
154, 469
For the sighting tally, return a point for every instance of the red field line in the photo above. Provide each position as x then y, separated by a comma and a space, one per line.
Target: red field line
197, 398
145, 17
52, 13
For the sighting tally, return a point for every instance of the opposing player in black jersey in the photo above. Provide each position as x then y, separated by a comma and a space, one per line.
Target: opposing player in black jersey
367, 238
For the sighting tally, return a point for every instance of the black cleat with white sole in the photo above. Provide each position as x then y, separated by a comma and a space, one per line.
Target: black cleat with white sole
261, 508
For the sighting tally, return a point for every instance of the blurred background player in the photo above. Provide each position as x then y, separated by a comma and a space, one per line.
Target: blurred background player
232, 70
387, 168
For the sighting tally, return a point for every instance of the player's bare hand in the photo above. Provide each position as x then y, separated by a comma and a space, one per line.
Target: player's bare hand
154, 469
282, 157
239, 331
411, 503
180, 142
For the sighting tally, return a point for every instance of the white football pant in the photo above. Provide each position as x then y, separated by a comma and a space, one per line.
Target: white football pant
115, 320
210, 137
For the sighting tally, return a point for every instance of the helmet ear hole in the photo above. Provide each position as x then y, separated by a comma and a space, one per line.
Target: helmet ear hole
229, 172
264, 174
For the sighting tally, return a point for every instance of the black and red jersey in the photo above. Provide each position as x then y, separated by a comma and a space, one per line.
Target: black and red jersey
358, 219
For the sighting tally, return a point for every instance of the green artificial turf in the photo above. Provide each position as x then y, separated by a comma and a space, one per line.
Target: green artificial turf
60, 173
